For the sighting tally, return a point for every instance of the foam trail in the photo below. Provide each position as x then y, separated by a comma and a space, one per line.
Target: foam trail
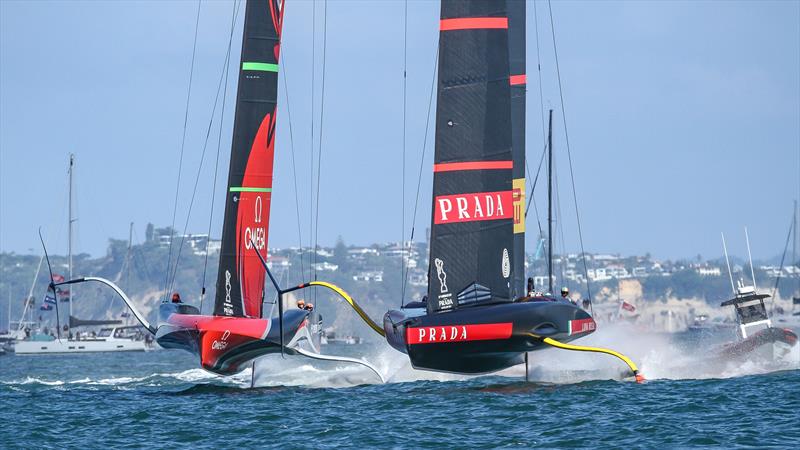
658, 355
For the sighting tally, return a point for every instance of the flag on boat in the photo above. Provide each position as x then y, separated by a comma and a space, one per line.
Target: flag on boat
46, 307
628, 307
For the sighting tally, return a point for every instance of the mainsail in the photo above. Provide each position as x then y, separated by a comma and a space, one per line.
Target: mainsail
240, 281
472, 230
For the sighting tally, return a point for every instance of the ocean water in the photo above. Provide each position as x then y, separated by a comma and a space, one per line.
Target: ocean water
160, 398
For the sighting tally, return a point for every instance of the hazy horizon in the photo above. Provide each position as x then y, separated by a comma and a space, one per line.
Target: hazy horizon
684, 121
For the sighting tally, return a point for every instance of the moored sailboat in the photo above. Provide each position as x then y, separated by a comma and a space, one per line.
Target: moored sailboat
115, 339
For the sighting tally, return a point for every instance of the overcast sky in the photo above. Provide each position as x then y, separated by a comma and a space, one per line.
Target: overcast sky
683, 118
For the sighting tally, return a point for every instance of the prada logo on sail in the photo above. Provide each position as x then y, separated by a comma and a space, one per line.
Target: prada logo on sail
458, 333
474, 207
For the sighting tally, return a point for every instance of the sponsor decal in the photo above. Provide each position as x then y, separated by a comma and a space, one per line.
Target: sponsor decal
473, 207
257, 234
440, 273
506, 264
445, 298
228, 306
579, 326
518, 195
222, 343
458, 333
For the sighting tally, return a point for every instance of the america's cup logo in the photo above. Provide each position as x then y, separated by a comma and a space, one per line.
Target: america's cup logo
228, 306
441, 274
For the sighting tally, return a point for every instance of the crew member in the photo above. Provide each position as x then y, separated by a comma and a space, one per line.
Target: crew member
565, 294
530, 287
176, 297
306, 306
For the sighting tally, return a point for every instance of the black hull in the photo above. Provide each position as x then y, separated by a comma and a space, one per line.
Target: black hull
483, 339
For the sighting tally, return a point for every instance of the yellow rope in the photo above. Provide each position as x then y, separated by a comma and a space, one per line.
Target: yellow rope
352, 303
579, 348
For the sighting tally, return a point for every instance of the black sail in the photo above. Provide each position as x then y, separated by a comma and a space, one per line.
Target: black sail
240, 282
517, 80
472, 228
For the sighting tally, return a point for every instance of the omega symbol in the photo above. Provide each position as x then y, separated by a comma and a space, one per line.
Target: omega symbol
258, 210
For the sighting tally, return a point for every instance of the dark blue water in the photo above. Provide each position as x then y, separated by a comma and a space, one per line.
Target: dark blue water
160, 399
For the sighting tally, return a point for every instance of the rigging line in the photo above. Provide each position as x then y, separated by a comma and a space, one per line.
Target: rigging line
183, 146
535, 180
321, 117
311, 270
560, 224
783, 257
403, 195
226, 71
531, 198
424, 151
294, 167
569, 152
171, 283
539, 72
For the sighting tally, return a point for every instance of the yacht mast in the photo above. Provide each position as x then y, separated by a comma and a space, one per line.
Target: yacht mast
69, 226
550, 204
795, 263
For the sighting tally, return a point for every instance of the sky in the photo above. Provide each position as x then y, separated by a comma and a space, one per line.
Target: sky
683, 120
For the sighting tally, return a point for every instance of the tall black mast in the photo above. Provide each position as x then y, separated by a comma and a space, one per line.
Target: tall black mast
550, 203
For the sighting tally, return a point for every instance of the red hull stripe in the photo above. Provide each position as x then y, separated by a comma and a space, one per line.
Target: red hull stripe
458, 333
516, 80
474, 23
473, 165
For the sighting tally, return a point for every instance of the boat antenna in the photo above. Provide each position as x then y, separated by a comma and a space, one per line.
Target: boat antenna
52, 285
750, 257
728, 262
550, 203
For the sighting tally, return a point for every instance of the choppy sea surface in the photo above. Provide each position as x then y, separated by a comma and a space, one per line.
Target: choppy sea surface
160, 398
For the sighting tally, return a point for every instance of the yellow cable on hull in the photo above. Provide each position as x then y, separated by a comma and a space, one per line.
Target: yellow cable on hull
352, 303
580, 348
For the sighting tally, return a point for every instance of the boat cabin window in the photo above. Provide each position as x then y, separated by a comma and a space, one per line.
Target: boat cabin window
105, 332
752, 313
